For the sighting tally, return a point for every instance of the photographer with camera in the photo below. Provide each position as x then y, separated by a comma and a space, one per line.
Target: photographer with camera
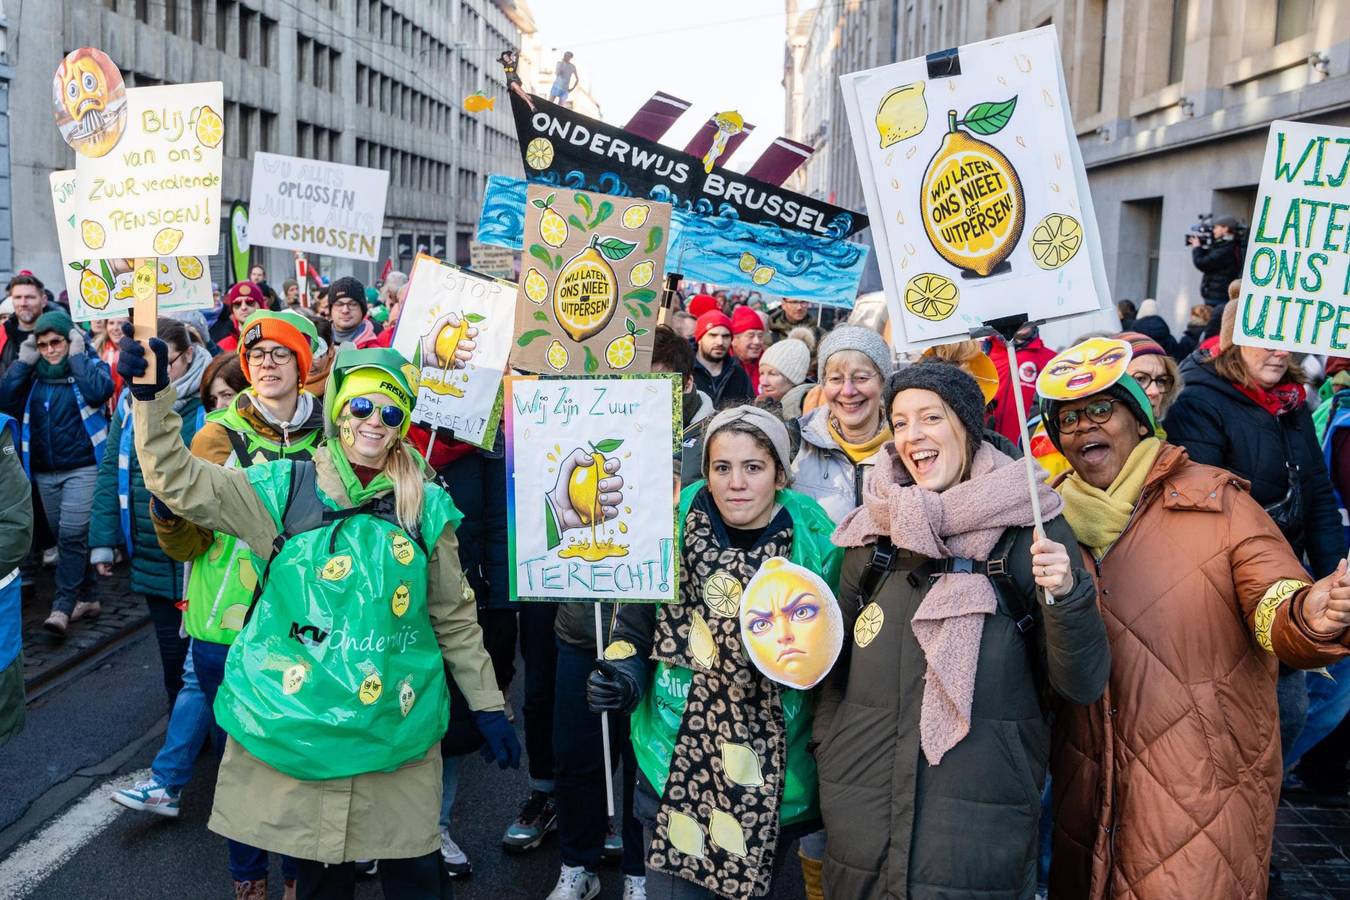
1217, 252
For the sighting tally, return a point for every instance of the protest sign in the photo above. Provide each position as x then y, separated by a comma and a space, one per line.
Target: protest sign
589, 282
1296, 278
324, 208
444, 305
157, 193
591, 508
90, 101
488, 259
975, 188
237, 255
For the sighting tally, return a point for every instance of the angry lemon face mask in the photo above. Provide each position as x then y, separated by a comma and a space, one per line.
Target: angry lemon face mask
1084, 369
791, 626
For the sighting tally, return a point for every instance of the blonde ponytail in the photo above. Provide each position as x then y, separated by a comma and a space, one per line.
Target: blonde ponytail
405, 472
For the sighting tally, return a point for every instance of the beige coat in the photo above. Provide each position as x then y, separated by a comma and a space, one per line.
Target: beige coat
385, 815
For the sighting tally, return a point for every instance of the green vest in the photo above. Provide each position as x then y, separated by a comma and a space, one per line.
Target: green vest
337, 671
221, 584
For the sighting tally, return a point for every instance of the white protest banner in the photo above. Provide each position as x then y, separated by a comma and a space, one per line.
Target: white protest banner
1296, 278
324, 208
591, 498
101, 288
157, 192
445, 305
975, 188
489, 259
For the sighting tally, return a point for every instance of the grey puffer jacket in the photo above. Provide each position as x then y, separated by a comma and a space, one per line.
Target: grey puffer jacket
823, 471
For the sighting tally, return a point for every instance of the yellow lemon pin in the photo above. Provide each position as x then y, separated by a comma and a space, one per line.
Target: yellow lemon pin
400, 600
722, 593
371, 688
702, 648
336, 569
620, 650
741, 765
406, 697
727, 833
868, 625
402, 547
248, 577
293, 678
685, 834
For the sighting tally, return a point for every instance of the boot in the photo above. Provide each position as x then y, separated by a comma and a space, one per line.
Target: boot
251, 890
811, 868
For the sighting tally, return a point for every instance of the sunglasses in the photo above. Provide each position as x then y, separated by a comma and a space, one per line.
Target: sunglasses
361, 408
1098, 411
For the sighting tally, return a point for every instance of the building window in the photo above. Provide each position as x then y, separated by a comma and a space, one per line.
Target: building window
1176, 54
199, 21
143, 11
246, 17
301, 57
223, 25
267, 34
1292, 19
268, 132
171, 16
1140, 247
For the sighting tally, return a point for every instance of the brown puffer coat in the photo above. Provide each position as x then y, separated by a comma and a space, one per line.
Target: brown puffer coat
1167, 787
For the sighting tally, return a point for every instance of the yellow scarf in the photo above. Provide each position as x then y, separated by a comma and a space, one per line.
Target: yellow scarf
1099, 516
858, 452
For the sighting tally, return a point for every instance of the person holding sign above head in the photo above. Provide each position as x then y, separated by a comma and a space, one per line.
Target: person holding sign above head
726, 782
360, 602
1166, 787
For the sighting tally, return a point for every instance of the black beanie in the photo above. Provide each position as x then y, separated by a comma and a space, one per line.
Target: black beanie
950, 382
351, 288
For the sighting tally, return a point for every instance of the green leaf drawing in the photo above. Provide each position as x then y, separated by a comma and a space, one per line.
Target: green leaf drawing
654, 238
539, 253
640, 332
77, 266
585, 203
641, 295
557, 261
540, 315
474, 318
646, 310
549, 200
989, 118
605, 210
608, 446
576, 223
591, 362
530, 337
108, 278
615, 248
632, 308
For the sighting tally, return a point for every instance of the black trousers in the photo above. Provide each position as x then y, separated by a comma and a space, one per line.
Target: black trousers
419, 878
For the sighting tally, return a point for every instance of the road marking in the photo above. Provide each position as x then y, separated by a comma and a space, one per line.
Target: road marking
40, 856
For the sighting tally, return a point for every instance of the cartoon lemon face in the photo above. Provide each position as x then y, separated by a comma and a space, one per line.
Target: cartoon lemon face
143, 281
336, 569
406, 697
400, 600
402, 548
791, 626
294, 678
371, 688
1084, 369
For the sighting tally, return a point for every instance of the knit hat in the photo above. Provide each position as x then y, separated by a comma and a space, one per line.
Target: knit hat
710, 320
289, 329
244, 290
375, 370
1142, 344
792, 359
744, 319
1148, 308
950, 382
372, 296
764, 421
1127, 390
701, 303
855, 337
351, 288
1228, 326
53, 320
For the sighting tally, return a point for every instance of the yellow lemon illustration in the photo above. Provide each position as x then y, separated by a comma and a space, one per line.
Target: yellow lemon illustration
722, 593
166, 241
621, 352
400, 601
972, 202
762, 275
902, 114
293, 678
702, 648
726, 832
93, 290
143, 281
539, 153
741, 765
401, 547
586, 294
620, 650
868, 625
190, 267
636, 216
748, 262
447, 342
371, 688
336, 569
1055, 240
931, 297
210, 128
685, 834
248, 576
556, 355
92, 234
583, 489
553, 228
406, 697
642, 273
536, 286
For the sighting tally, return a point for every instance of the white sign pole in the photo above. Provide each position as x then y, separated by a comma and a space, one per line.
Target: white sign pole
604, 716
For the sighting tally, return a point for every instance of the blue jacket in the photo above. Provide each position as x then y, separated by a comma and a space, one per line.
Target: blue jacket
58, 438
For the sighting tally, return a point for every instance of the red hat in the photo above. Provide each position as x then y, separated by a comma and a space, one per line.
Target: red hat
701, 303
744, 319
245, 290
709, 321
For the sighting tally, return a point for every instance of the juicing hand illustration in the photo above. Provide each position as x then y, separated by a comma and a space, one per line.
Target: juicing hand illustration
587, 484
449, 343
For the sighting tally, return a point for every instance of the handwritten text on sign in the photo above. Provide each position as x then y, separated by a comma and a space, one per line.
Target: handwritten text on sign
317, 207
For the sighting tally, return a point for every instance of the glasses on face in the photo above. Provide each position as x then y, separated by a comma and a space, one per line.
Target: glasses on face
344, 304
173, 360
361, 408
278, 355
1164, 382
248, 301
1098, 411
860, 381
53, 344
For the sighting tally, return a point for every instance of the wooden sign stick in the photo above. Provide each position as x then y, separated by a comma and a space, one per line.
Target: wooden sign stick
668, 297
145, 310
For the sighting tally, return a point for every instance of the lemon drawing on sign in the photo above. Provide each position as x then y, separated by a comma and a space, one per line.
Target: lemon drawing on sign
553, 229
868, 625
971, 196
702, 648
727, 833
747, 262
763, 275
636, 216
166, 241
642, 273
400, 600
294, 678
901, 114
556, 355
931, 297
406, 696
536, 286
587, 291
623, 349
210, 128
190, 267
164, 286
336, 569
93, 290
1055, 240
722, 593
741, 764
583, 491
620, 650
143, 280
92, 234
371, 685
685, 834
401, 547
539, 153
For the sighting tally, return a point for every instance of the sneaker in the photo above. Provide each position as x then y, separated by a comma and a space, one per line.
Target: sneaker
613, 848
367, 868
457, 864
634, 887
149, 796
86, 609
57, 623
575, 883
537, 818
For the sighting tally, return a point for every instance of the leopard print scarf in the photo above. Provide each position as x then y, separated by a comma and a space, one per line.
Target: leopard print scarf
718, 821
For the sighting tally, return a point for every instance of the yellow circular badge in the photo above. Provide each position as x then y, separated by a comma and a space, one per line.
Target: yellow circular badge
868, 626
336, 569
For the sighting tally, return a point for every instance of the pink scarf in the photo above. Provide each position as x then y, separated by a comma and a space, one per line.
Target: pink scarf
965, 520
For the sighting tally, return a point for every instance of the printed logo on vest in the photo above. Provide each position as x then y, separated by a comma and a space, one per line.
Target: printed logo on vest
310, 635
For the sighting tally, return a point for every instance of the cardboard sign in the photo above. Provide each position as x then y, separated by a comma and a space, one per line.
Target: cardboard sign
591, 509
102, 288
590, 279
445, 305
1296, 278
976, 189
157, 193
324, 208
488, 259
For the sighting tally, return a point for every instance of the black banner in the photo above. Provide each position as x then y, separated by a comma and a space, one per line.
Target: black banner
562, 147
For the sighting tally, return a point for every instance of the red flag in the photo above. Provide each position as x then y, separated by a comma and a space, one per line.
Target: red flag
388, 267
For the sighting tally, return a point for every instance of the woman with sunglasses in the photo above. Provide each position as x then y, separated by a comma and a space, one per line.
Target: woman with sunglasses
241, 301
359, 603
1167, 786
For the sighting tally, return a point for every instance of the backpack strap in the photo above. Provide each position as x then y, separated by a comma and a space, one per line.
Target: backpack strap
884, 561
240, 445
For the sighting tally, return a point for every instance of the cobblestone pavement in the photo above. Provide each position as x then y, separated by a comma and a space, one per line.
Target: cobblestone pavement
45, 654
1311, 844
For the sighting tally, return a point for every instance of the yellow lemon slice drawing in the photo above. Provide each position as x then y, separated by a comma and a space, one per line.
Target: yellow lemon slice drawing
399, 602
402, 548
722, 593
620, 650
763, 275
727, 833
166, 241
539, 153
190, 267
93, 290
556, 355
371, 688
642, 273
747, 262
901, 114
336, 569
210, 128
931, 297
702, 648
1055, 240
553, 228
636, 216
869, 624
621, 352
536, 286
92, 234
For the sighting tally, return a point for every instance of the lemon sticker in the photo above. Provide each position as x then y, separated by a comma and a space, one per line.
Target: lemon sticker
371, 688
727, 833
294, 678
722, 593
210, 128
402, 548
932, 297
556, 355
901, 114
93, 290
190, 267
400, 600
763, 275
536, 286
741, 765
553, 228
869, 624
642, 274
636, 216
336, 569
248, 576
702, 648
685, 834
620, 650
747, 263
166, 241
406, 697
92, 234
539, 153
621, 351
1055, 240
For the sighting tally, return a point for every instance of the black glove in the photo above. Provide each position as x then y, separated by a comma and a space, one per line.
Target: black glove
611, 689
131, 364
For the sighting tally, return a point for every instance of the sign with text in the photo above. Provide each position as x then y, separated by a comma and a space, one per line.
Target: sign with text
324, 208
499, 262
157, 193
1296, 279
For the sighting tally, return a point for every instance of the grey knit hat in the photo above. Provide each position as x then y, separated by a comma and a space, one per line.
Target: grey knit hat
790, 357
855, 337
764, 421
950, 382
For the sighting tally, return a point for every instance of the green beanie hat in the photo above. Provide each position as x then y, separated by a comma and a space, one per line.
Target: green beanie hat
54, 320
